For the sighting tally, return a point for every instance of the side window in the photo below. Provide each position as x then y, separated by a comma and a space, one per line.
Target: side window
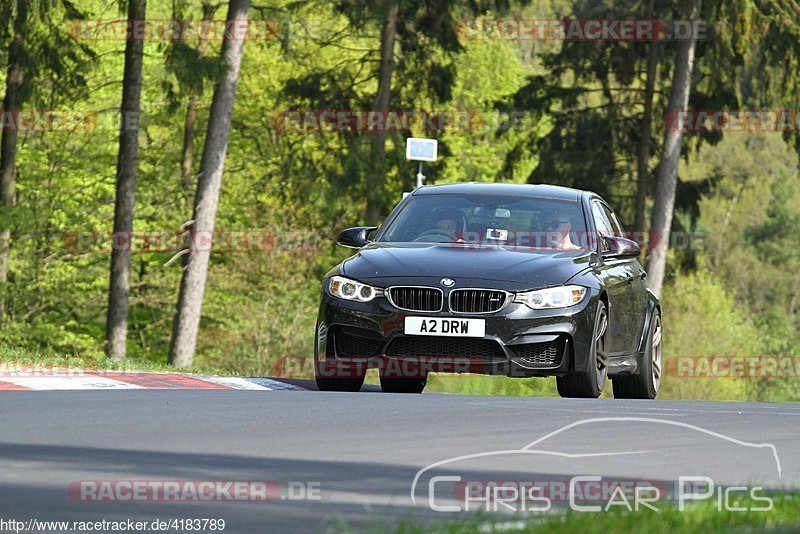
615, 226
601, 220
602, 224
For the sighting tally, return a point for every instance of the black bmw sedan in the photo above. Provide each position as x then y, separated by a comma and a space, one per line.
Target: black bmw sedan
501, 279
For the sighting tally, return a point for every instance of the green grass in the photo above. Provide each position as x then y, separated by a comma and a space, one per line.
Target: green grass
700, 517
465, 384
13, 359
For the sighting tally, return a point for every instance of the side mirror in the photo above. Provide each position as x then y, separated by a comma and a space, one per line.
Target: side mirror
355, 237
620, 248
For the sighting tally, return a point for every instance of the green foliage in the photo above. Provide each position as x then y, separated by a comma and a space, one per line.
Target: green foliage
15, 360
700, 517
492, 385
746, 286
490, 74
701, 318
592, 97
750, 220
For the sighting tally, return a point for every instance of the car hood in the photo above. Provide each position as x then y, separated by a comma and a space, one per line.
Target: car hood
519, 266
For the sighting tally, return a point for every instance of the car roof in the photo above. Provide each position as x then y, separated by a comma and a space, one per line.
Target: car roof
486, 188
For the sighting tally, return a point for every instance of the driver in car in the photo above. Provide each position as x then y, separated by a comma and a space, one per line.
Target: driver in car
557, 231
451, 222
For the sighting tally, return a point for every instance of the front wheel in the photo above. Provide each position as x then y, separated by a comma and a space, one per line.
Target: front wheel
645, 383
332, 374
339, 377
590, 382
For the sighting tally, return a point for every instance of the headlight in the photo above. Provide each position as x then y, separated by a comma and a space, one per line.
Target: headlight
347, 289
552, 297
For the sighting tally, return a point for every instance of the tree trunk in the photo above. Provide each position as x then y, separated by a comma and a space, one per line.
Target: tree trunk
189, 129
667, 176
127, 160
646, 133
15, 77
187, 157
375, 176
190, 299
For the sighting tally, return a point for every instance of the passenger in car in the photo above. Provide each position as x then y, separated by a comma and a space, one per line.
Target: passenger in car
557, 231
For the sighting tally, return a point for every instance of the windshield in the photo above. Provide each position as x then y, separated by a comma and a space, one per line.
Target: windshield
489, 219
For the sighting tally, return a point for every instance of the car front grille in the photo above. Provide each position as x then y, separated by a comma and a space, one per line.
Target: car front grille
540, 354
443, 347
477, 300
426, 299
350, 344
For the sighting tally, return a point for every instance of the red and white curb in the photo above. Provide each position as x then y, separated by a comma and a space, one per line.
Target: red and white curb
42, 381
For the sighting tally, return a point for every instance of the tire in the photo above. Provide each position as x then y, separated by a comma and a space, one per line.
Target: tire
646, 383
391, 384
590, 382
338, 383
335, 375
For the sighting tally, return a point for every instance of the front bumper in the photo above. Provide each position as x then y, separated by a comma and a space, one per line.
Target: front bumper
518, 341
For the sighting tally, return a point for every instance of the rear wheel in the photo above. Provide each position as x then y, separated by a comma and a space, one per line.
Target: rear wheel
645, 383
590, 383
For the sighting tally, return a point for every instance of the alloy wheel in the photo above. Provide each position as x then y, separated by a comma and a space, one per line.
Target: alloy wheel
655, 351
601, 354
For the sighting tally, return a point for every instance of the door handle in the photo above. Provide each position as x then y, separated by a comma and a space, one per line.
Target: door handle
629, 278
643, 275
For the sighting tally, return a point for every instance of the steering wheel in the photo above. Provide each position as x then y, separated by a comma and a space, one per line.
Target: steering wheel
434, 236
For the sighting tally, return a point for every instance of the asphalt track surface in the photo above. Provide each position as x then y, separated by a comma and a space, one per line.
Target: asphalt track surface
356, 455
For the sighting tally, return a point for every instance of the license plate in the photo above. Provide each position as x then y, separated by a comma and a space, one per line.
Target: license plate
443, 326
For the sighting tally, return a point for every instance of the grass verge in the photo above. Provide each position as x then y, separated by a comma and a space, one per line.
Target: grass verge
698, 517
18, 360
